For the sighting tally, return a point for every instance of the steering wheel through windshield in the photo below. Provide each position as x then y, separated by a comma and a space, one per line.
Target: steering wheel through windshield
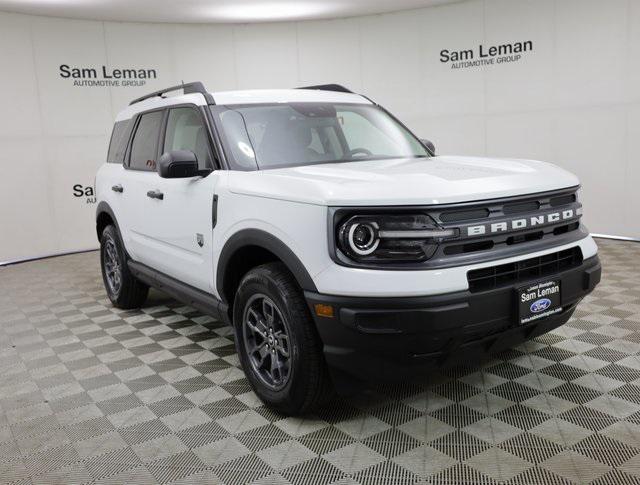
360, 152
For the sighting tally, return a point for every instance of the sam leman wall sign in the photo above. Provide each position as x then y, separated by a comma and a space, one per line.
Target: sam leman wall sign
105, 76
86, 192
486, 55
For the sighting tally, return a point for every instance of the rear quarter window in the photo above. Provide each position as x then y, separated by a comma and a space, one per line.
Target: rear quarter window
118, 143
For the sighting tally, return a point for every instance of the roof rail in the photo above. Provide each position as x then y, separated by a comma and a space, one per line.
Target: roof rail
328, 87
188, 88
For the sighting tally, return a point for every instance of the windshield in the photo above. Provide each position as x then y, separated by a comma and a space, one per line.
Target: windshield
291, 134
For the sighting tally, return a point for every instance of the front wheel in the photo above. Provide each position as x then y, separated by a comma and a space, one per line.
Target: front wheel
123, 289
276, 339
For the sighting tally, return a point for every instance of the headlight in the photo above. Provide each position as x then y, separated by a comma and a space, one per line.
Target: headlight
363, 238
380, 238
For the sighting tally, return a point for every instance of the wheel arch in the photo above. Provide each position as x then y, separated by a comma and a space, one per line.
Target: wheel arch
265, 247
104, 217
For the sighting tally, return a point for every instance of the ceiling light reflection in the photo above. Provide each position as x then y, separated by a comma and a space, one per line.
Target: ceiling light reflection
270, 11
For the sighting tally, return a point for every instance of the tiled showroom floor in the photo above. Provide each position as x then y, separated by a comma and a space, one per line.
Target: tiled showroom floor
89, 393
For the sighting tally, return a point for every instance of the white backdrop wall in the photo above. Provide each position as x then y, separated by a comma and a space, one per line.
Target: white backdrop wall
574, 99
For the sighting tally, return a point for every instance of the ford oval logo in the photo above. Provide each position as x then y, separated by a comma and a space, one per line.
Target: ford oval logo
540, 305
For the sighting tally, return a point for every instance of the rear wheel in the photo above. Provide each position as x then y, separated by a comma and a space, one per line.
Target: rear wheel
123, 289
276, 339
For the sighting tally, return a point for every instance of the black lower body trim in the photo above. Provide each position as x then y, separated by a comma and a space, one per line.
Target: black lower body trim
205, 302
392, 338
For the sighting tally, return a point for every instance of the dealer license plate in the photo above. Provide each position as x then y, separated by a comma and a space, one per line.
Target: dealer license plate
538, 300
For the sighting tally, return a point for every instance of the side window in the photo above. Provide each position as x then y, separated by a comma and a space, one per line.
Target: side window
145, 142
186, 131
118, 143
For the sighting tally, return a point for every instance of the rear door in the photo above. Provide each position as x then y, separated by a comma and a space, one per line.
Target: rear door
112, 179
141, 212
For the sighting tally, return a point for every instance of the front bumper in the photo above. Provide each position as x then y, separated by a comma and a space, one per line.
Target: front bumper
388, 338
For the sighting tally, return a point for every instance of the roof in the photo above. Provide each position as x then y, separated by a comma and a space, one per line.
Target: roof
253, 96
286, 96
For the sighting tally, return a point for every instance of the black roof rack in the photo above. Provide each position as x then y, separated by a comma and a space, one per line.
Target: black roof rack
328, 87
187, 88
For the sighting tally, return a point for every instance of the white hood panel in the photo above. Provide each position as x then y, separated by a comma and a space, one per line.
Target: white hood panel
437, 180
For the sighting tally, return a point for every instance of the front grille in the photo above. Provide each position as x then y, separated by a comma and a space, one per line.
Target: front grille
522, 208
507, 274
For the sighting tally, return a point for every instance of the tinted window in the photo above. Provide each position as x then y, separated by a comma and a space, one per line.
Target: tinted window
118, 144
145, 142
186, 131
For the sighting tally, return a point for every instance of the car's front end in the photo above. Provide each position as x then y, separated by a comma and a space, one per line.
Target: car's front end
412, 288
414, 260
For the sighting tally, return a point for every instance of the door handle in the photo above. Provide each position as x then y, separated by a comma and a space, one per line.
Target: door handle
155, 194
117, 188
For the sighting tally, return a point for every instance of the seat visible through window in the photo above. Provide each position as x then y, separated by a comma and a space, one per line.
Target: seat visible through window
186, 131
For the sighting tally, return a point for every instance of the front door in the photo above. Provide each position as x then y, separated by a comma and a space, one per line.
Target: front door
180, 226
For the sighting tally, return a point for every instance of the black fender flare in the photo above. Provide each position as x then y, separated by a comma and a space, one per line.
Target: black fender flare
265, 240
105, 208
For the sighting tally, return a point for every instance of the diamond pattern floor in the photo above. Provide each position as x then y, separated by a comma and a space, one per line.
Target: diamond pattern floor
92, 394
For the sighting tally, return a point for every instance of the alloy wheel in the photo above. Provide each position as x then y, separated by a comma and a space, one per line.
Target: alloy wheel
112, 267
266, 340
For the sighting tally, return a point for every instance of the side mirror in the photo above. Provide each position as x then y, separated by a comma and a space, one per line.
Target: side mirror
429, 144
179, 164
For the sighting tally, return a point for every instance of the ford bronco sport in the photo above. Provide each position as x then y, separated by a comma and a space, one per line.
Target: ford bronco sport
337, 244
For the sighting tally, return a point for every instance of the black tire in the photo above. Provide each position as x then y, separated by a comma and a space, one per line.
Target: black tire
307, 384
129, 292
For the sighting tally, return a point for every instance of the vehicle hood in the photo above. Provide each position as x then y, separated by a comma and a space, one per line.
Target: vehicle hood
436, 180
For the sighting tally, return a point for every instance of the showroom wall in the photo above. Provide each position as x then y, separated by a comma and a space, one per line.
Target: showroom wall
569, 92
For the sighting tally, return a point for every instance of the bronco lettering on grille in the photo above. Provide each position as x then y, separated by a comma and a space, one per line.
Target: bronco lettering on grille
522, 223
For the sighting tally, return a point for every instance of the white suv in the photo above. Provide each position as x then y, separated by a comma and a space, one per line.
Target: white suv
336, 243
